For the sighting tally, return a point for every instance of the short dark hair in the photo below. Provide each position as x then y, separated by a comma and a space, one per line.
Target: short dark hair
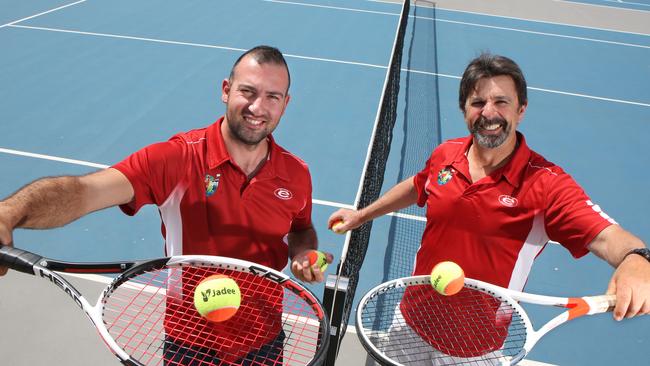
485, 66
263, 55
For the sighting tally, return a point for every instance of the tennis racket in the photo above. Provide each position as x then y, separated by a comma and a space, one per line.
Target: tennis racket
406, 322
146, 315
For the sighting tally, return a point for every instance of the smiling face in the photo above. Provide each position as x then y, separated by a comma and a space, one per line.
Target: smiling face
256, 96
493, 112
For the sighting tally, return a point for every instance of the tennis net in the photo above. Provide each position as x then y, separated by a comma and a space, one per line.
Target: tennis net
372, 179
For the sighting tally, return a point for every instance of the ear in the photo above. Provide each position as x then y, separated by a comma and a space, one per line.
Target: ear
286, 100
522, 111
225, 90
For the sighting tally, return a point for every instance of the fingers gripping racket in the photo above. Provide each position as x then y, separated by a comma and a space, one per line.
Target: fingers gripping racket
146, 315
406, 322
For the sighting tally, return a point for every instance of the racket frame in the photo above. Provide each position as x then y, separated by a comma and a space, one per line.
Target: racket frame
44, 268
577, 306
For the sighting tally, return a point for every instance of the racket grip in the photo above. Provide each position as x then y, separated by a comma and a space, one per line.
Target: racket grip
18, 259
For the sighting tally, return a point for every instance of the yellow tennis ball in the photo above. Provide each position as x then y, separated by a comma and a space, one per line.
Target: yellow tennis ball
317, 257
336, 227
217, 298
447, 278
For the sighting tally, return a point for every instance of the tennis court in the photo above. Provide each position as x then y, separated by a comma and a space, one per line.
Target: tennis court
85, 83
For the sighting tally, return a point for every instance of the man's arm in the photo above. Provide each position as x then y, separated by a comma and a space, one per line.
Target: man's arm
53, 202
631, 280
401, 195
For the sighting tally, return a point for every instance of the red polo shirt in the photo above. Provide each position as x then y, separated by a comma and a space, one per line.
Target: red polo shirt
495, 227
207, 205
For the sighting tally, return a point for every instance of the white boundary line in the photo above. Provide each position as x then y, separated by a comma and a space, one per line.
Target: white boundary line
108, 35
525, 19
39, 14
53, 158
552, 91
191, 44
607, 6
480, 25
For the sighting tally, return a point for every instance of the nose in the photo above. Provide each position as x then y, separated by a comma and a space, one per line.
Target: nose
257, 105
489, 110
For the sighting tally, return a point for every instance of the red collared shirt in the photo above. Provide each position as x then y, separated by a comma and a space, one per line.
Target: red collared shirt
207, 204
494, 228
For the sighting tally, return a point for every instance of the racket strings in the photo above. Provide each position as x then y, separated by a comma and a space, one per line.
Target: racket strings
152, 317
416, 324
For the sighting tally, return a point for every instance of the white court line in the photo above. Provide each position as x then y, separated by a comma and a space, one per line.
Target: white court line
191, 44
538, 33
476, 25
625, 2
308, 58
607, 6
39, 14
543, 90
53, 158
333, 7
522, 19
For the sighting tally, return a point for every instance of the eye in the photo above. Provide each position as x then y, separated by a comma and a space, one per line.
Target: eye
246, 92
274, 97
478, 104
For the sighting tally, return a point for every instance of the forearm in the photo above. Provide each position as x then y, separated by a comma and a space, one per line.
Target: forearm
613, 243
300, 241
401, 195
53, 202
45, 203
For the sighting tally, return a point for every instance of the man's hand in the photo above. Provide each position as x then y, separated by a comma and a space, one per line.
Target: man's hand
631, 284
303, 271
345, 220
6, 236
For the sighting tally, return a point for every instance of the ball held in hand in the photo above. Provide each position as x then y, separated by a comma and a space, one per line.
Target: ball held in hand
217, 298
336, 227
447, 278
319, 258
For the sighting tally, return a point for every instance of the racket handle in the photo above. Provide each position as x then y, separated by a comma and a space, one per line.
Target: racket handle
18, 259
604, 303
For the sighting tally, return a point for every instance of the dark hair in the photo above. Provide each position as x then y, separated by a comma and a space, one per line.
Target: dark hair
486, 66
263, 55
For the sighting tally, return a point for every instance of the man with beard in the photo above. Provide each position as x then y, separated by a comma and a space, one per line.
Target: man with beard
227, 189
493, 204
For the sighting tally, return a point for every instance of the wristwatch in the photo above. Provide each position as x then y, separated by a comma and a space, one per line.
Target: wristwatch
644, 252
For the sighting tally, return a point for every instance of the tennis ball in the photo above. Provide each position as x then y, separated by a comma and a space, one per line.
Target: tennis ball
336, 226
318, 257
217, 298
447, 278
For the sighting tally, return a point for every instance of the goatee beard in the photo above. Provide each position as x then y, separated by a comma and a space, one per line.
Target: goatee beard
490, 141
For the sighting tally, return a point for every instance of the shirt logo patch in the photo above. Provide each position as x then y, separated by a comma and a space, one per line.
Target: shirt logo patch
211, 184
283, 194
508, 201
444, 176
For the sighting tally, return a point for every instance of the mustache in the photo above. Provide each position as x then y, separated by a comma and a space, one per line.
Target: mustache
483, 122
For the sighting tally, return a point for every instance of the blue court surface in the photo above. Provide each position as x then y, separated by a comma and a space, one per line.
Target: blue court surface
85, 83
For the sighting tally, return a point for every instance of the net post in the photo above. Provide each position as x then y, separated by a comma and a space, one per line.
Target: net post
335, 296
